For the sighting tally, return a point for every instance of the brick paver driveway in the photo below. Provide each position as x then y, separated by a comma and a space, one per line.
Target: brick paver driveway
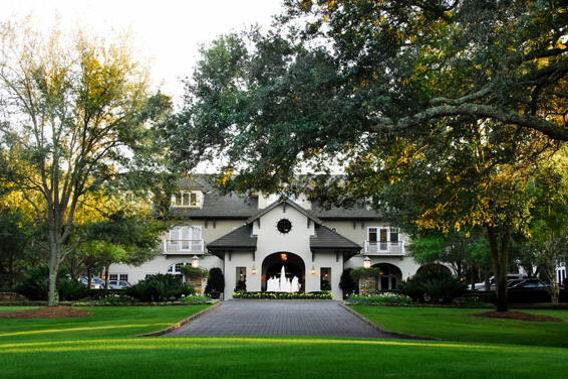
285, 317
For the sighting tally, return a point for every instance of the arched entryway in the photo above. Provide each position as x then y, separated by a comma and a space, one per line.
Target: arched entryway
293, 266
391, 276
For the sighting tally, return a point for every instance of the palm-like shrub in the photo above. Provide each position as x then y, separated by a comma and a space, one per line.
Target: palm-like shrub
215, 283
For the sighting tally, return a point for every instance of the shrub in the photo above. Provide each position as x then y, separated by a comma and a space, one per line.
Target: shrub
35, 285
361, 272
193, 273
216, 282
384, 299
433, 286
325, 285
347, 284
159, 287
241, 286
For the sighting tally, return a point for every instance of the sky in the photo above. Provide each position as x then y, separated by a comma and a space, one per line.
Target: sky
167, 32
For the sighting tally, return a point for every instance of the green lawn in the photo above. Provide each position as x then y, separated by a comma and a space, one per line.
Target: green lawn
455, 325
101, 346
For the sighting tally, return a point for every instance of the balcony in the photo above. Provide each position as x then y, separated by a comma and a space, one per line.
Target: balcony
384, 248
184, 246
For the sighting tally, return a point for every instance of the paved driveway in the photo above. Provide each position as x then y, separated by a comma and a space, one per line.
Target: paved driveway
286, 317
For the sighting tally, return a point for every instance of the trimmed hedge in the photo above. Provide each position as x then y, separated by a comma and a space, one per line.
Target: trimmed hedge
159, 287
283, 295
382, 299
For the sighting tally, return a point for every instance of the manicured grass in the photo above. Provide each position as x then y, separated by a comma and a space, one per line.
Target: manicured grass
101, 346
455, 325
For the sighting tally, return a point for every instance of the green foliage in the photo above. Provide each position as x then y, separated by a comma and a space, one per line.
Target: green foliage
194, 273
347, 284
382, 299
241, 286
35, 285
433, 286
216, 281
361, 272
323, 295
15, 235
159, 287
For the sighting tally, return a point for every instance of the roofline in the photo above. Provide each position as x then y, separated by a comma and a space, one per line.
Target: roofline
284, 200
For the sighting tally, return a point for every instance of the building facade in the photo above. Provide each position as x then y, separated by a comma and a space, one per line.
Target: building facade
255, 238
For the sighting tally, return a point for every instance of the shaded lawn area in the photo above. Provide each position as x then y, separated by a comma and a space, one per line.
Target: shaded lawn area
102, 346
106, 322
455, 325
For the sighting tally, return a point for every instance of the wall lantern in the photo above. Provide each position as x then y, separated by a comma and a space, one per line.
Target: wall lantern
253, 270
194, 261
284, 257
367, 262
313, 270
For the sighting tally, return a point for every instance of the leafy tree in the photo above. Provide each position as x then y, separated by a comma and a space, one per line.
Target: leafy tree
347, 284
73, 110
465, 255
446, 105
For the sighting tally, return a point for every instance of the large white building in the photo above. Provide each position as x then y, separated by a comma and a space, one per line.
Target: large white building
252, 237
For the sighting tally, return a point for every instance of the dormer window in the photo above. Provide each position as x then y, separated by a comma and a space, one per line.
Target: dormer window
191, 199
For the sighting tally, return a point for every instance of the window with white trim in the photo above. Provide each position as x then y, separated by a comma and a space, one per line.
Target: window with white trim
190, 199
175, 269
383, 236
185, 238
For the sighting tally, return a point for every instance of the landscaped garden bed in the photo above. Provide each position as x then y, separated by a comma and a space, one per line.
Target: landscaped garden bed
283, 295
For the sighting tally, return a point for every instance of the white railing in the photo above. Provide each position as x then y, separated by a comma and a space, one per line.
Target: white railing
387, 247
183, 246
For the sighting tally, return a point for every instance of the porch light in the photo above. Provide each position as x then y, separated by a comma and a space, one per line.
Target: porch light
284, 257
313, 270
194, 261
367, 262
253, 270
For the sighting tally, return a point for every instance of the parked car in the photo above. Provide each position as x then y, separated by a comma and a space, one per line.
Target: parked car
481, 285
96, 282
118, 284
529, 291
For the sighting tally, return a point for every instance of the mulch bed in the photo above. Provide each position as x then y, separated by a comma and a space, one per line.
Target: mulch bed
516, 316
47, 312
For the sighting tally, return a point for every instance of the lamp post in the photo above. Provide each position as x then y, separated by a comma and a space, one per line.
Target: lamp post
367, 262
195, 261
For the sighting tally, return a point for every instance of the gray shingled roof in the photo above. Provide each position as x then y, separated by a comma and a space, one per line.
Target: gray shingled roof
336, 213
325, 238
239, 238
278, 203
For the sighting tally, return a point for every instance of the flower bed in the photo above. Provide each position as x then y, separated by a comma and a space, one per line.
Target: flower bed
382, 299
283, 295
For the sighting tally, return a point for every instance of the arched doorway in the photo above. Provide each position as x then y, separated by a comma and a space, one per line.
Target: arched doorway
293, 266
391, 276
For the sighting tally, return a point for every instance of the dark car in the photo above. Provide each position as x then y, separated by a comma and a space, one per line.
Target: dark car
529, 291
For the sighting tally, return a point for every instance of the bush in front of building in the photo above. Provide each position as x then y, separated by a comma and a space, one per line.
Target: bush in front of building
323, 295
433, 286
386, 298
347, 284
215, 283
159, 287
35, 285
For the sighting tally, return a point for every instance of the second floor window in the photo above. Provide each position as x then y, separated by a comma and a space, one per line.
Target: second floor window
185, 199
383, 235
185, 237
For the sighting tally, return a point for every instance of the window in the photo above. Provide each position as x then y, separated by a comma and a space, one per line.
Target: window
113, 277
372, 234
241, 279
186, 238
124, 277
175, 269
284, 226
187, 199
325, 279
383, 237
394, 236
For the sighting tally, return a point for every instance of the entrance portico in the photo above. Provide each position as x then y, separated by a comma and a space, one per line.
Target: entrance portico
283, 234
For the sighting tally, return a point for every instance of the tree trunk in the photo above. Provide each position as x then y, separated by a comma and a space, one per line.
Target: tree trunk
11, 272
89, 277
107, 267
500, 263
53, 264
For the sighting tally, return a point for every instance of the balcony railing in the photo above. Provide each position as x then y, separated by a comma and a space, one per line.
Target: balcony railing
184, 246
386, 247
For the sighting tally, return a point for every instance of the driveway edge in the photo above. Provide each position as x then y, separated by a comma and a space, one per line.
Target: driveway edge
181, 323
382, 330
